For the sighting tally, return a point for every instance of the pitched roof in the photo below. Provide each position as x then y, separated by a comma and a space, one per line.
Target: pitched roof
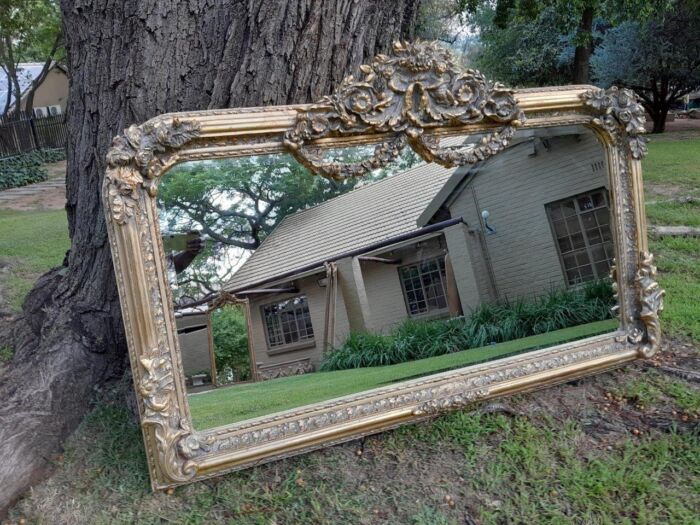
26, 73
454, 183
357, 219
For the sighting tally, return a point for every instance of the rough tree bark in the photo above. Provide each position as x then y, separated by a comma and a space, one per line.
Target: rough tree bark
128, 61
582, 53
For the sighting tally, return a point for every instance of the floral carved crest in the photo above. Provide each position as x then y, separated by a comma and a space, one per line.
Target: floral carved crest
138, 157
621, 111
418, 87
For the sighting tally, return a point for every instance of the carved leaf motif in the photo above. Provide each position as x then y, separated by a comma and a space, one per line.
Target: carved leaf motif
652, 301
138, 154
157, 390
418, 87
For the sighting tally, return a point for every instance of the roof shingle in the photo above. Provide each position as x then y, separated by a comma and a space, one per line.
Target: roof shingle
360, 218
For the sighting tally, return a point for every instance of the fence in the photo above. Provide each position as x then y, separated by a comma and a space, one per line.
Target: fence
23, 133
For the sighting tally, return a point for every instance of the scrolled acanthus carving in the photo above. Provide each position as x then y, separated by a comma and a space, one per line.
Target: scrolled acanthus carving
620, 110
418, 87
158, 391
138, 157
651, 296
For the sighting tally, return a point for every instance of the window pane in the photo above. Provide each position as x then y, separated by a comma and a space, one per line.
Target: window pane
607, 234
586, 272
598, 253
603, 216
585, 203
583, 237
560, 229
569, 261
603, 269
565, 245
568, 208
594, 236
598, 199
423, 286
582, 258
288, 322
588, 220
573, 225
577, 241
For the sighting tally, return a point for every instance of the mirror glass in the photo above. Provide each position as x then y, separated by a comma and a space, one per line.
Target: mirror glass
290, 289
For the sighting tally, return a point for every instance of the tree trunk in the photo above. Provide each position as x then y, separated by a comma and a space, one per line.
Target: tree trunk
582, 53
29, 105
658, 115
129, 61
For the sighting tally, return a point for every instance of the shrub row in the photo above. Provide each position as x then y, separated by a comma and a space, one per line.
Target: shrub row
487, 324
27, 168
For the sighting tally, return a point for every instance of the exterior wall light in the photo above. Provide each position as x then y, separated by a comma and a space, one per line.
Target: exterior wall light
489, 229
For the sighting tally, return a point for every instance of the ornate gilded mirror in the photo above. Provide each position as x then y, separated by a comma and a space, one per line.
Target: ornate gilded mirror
420, 240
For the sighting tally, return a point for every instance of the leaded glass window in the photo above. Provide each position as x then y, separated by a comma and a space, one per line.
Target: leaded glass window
424, 287
288, 322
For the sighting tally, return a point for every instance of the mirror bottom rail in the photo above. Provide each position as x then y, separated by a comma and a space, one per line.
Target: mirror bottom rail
296, 431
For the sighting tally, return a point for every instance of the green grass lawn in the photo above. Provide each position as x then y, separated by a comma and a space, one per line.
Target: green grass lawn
556, 462
31, 242
674, 166
237, 403
673, 162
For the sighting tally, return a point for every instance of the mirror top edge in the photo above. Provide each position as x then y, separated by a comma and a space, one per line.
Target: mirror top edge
266, 118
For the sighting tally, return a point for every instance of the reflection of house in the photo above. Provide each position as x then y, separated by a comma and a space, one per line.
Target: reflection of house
50, 96
415, 245
196, 345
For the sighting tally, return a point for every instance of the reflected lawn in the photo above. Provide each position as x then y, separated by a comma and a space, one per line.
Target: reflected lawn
237, 403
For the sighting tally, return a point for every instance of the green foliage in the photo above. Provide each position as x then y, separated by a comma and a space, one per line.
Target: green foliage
31, 25
21, 170
48, 156
6, 354
236, 203
525, 52
27, 168
30, 31
490, 323
230, 334
532, 43
659, 58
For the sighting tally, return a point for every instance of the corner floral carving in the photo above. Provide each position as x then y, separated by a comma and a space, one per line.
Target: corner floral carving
138, 157
620, 110
652, 301
418, 87
157, 390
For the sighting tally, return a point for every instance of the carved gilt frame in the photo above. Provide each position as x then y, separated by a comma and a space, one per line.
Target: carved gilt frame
411, 98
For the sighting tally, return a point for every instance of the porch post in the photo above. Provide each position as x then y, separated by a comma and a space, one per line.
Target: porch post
462, 266
352, 284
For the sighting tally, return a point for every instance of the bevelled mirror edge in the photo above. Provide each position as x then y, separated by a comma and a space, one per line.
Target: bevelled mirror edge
177, 454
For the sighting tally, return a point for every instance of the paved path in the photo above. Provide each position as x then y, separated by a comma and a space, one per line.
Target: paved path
50, 194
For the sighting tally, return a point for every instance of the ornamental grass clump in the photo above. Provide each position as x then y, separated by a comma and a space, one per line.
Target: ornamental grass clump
489, 323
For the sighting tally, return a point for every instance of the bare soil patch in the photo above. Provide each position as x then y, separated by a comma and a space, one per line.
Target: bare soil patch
679, 129
47, 195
